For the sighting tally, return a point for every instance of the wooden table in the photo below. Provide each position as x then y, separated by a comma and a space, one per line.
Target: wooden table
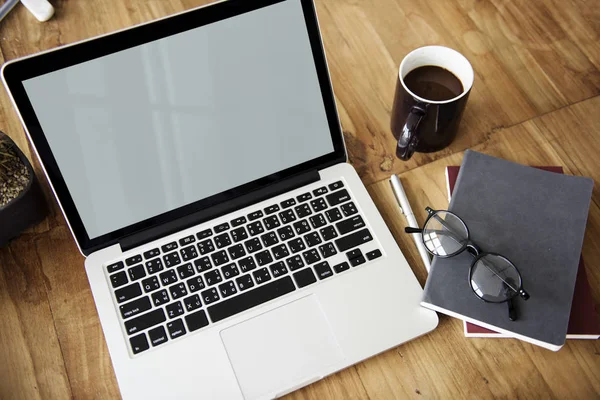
535, 101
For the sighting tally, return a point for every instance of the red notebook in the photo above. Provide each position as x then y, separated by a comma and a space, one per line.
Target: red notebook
584, 322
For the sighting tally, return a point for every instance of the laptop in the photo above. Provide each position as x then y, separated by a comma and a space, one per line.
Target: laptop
232, 251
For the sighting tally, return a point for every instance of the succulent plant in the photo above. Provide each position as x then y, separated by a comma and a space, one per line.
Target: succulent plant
7, 159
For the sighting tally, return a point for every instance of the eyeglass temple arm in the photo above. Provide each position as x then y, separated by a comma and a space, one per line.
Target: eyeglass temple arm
410, 229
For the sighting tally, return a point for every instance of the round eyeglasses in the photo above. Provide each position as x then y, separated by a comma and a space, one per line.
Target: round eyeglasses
493, 277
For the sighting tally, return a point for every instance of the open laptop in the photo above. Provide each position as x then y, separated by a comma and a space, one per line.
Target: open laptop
199, 161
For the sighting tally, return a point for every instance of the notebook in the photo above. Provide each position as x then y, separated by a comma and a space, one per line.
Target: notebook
584, 322
537, 220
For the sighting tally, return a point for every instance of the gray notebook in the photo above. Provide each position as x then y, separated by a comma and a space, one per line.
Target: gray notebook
537, 220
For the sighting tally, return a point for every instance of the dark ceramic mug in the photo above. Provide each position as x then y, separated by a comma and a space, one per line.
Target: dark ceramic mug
425, 125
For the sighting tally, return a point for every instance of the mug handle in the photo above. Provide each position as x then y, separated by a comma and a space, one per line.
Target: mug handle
407, 141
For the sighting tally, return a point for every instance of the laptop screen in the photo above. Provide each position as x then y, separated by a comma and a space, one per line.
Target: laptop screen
149, 129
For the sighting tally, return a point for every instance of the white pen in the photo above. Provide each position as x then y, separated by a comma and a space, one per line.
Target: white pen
410, 218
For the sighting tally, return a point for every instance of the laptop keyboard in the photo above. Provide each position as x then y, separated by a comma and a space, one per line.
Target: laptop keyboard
185, 285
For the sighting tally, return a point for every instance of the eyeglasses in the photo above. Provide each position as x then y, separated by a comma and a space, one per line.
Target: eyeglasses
493, 277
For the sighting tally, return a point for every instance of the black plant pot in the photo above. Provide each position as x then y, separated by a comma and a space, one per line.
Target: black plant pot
27, 209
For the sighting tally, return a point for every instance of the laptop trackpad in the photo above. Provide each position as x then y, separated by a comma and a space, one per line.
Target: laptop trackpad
281, 349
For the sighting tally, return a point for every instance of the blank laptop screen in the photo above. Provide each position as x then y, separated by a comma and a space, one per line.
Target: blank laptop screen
155, 127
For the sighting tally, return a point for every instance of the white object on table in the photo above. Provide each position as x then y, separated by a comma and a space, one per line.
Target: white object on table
41, 9
410, 218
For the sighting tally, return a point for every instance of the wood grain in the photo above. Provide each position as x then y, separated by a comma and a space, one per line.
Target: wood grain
535, 101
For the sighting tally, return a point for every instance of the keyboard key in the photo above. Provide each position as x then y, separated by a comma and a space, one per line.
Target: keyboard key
139, 343
338, 197
311, 256
202, 264
168, 247
157, 336
374, 254
296, 245
151, 253
358, 261
285, 233
271, 222
114, 267
269, 239
194, 284
192, 303
176, 328
350, 224
189, 253
312, 239
185, 271
227, 289
271, 209
278, 269
118, 279
177, 291
174, 309
280, 251
333, 215
196, 320
318, 204
323, 270
168, 277
206, 246
210, 296
213, 277
236, 251
253, 245
303, 210
137, 272
302, 227
263, 258
294, 263
187, 240
239, 234
150, 284
245, 282
247, 264
133, 260
160, 298
336, 185
204, 234
341, 267
304, 197
219, 258
230, 270
287, 203
154, 266
354, 254
221, 227
349, 209
328, 233
261, 275
353, 240
145, 321
238, 221
317, 221
320, 191
222, 240
172, 259
255, 228
304, 277
135, 307
287, 216
251, 298
128, 292
327, 250
255, 215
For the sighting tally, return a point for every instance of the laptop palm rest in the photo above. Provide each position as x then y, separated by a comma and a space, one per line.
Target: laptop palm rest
277, 351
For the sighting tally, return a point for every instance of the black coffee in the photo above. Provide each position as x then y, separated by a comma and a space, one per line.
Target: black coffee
433, 83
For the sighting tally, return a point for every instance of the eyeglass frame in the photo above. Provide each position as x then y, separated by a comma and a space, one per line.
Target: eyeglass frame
473, 249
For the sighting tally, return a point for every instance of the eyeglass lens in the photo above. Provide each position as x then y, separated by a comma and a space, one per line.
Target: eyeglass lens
494, 278
445, 234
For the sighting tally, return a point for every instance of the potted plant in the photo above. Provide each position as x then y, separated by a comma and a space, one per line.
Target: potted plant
22, 202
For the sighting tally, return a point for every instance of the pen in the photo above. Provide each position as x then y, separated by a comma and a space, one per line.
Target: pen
6, 7
410, 218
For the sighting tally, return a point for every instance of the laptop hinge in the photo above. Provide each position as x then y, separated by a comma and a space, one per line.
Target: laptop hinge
154, 233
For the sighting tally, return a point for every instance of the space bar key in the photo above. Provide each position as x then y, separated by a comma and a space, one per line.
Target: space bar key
251, 298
